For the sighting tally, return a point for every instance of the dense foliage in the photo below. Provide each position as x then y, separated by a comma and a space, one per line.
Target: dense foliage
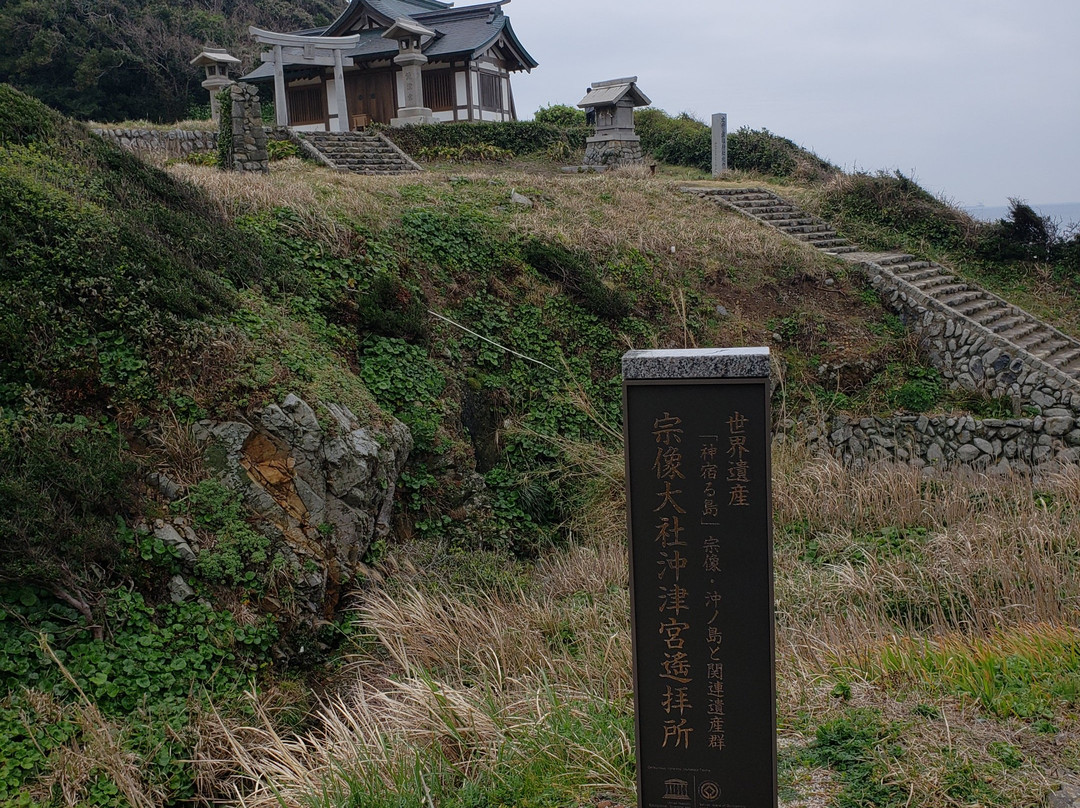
102, 259
683, 140
519, 137
560, 115
111, 61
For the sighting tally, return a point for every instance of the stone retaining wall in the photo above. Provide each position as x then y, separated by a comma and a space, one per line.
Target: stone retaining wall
1001, 445
972, 357
613, 153
173, 143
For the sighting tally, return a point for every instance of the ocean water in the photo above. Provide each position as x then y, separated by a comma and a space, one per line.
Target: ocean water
1065, 213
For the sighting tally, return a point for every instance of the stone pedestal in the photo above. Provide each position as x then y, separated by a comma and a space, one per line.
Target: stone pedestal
605, 151
413, 110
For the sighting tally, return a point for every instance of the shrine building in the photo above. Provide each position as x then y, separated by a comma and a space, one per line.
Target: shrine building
394, 62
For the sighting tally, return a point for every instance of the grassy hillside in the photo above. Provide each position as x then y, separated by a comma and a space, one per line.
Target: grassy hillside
923, 643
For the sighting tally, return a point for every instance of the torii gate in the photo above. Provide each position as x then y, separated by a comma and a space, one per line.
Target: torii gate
305, 50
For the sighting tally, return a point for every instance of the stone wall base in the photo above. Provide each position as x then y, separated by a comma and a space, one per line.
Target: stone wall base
992, 444
613, 153
173, 143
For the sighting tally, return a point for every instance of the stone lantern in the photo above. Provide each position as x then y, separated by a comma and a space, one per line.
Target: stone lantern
613, 102
410, 36
216, 62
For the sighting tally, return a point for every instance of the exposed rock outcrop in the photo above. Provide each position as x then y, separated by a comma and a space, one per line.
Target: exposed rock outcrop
323, 494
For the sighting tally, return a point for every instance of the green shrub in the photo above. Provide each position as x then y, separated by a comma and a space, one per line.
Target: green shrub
102, 260
518, 137
225, 130
202, 159
761, 151
281, 149
575, 271
681, 140
1024, 236
891, 211
62, 486
390, 308
560, 115
921, 390
403, 379
468, 152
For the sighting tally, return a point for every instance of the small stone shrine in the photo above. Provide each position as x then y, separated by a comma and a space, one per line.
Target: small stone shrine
614, 142
216, 62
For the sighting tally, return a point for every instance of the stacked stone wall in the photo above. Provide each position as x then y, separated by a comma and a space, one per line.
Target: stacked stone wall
172, 143
248, 135
613, 153
1000, 445
972, 357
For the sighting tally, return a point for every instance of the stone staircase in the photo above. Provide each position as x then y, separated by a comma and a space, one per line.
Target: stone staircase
976, 305
980, 341
767, 207
357, 152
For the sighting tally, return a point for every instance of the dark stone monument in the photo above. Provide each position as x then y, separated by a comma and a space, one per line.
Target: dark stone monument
697, 431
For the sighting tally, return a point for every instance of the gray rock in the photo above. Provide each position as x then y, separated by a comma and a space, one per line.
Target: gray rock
169, 489
1059, 425
984, 446
934, 455
1067, 796
179, 590
967, 453
1041, 399
324, 495
168, 535
520, 199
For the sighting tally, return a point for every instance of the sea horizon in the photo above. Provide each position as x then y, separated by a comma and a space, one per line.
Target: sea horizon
1065, 213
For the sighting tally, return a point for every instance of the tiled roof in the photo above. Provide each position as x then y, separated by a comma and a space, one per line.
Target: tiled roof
460, 33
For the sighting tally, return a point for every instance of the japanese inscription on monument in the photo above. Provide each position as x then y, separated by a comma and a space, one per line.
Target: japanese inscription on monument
699, 514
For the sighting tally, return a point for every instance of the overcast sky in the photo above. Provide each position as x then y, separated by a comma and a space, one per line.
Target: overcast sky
978, 99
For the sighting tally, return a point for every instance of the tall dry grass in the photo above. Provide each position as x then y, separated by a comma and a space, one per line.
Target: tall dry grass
464, 679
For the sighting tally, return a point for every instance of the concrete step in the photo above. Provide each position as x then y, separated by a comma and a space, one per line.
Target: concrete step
895, 260
792, 226
933, 282
977, 306
1008, 322
943, 291
1065, 355
1020, 332
917, 270
954, 301
790, 216
1049, 347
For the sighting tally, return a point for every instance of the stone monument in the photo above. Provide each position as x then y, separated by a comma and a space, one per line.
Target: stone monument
719, 143
216, 62
612, 103
698, 471
410, 35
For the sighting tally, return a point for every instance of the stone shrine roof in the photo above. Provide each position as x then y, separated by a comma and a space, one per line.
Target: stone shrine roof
612, 91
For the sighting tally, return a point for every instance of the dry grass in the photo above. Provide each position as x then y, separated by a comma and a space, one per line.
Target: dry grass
472, 675
636, 210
